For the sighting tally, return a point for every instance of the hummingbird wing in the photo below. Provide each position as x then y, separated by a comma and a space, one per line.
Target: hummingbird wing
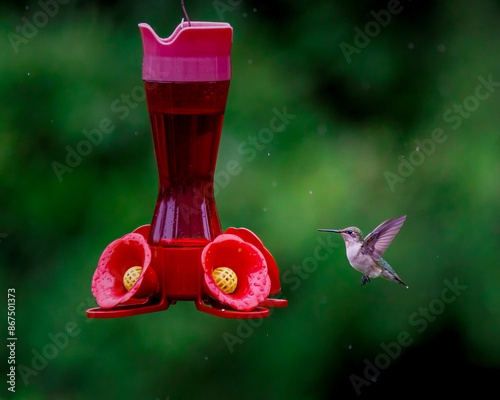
379, 240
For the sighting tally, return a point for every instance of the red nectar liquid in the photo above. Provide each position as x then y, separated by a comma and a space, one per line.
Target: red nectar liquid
186, 120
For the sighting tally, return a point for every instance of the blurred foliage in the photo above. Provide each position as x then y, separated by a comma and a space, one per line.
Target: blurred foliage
354, 121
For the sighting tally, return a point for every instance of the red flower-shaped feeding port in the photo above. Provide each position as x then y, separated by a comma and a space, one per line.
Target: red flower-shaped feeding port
272, 269
240, 251
249, 265
130, 251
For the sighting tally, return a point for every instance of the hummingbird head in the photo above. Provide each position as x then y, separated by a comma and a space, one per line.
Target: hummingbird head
351, 235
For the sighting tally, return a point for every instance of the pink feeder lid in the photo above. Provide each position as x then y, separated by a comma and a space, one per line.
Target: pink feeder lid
200, 52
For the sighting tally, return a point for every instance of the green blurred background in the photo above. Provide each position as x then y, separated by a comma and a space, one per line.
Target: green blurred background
348, 157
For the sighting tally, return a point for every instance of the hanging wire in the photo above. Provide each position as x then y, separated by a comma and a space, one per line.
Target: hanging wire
185, 12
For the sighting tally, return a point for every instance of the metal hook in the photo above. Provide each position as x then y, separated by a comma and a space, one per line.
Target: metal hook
185, 12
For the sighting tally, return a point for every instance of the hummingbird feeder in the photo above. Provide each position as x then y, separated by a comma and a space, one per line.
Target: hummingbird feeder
184, 255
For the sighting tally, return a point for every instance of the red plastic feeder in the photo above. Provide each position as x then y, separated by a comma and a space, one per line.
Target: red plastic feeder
183, 254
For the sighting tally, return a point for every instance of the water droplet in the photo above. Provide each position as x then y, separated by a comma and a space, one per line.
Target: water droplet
244, 15
27, 8
411, 46
310, 192
274, 183
254, 10
441, 48
28, 74
250, 61
206, 357
374, 380
417, 148
268, 154
136, 133
350, 347
264, 209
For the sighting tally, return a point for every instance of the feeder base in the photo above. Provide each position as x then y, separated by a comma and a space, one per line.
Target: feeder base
130, 308
258, 312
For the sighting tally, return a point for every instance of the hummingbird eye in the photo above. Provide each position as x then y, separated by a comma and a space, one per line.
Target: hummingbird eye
349, 232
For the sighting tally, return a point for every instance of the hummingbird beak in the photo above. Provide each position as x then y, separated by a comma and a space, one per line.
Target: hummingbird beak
329, 230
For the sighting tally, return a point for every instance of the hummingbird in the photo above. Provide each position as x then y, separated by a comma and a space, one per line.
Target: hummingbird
364, 255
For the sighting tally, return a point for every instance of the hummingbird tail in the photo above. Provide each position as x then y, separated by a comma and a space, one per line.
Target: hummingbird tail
393, 277
401, 282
